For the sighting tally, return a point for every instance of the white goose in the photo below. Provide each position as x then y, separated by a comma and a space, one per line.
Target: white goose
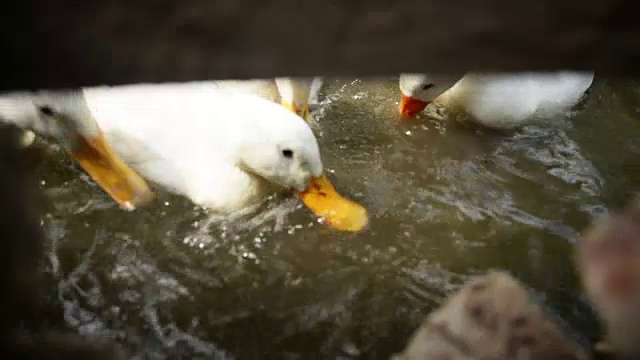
496, 100
224, 150
74, 128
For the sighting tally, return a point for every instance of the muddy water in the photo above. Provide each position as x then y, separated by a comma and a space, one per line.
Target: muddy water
446, 201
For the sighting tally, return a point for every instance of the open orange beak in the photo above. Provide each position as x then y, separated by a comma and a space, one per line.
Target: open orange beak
409, 106
101, 162
300, 110
341, 213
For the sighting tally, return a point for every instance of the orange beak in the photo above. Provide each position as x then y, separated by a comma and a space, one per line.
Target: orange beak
323, 199
409, 106
100, 161
341, 213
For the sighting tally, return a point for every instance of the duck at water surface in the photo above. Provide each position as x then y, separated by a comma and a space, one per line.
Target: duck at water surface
500, 101
227, 151
81, 137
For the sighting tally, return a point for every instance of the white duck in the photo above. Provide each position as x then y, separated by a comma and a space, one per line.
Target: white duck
73, 127
226, 151
500, 101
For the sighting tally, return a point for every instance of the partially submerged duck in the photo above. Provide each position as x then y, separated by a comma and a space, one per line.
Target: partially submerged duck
499, 101
73, 126
226, 151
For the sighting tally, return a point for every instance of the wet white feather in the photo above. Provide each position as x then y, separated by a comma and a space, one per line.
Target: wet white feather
502, 100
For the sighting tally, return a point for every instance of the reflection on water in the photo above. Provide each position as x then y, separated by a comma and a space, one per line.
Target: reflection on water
446, 201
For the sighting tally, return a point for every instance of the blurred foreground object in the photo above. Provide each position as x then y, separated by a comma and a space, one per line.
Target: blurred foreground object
66, 43
22, 254
491, 317
608, 261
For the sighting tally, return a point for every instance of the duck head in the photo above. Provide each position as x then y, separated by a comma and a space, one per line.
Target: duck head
419, 90
65, 117
284, 151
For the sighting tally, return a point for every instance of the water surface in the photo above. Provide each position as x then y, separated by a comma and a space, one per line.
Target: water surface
446, 200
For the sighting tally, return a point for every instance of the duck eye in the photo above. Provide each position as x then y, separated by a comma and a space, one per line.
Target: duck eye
287, 153
427, 86
46, 110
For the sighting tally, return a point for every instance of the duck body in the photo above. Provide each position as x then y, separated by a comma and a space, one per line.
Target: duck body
192, 138
506, 101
